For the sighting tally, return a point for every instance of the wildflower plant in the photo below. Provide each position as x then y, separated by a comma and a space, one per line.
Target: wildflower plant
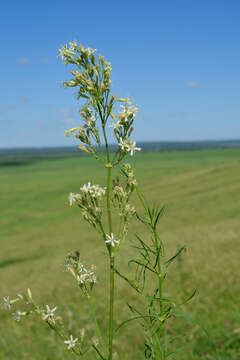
91, 76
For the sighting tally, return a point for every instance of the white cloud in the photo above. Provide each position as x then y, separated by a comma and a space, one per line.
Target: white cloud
66, 110
193, 84
68, 121
45, 60
23, 61
25, 99
7, 107
66, 116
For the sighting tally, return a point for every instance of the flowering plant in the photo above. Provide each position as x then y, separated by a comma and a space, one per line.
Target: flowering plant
92, 78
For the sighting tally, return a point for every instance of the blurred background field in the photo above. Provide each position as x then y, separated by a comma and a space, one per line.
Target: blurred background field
200, 190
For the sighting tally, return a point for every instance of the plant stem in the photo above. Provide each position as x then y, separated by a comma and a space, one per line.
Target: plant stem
111, 310
142, 200
98, 352
109, 170
160, 280
159, 290
111, 253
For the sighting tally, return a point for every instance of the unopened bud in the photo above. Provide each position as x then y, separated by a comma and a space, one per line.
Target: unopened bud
29, 294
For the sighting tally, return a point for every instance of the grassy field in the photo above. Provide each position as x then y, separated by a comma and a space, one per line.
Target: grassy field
201, 192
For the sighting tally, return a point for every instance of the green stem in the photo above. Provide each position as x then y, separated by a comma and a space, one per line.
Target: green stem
98, 352
141, 200
159, 272
111, 252
109, 214
160, 290
111, 310
160, 280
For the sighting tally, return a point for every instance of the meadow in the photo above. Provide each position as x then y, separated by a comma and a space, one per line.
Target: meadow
200, 191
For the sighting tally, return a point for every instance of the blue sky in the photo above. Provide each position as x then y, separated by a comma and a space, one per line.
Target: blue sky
178, 59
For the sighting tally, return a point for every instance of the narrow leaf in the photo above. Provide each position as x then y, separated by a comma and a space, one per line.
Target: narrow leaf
168, 262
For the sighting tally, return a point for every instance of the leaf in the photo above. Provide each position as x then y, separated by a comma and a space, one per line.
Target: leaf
193, 319
168, 262
141, 219
143, 265
190, 297
175, 352
144, 245
157, 256
135, 318
160, 213
130, 282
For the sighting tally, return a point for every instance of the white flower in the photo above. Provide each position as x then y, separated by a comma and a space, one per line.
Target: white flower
71, 343
115, 125
92, 277
93, 190
49, 314
6, 304
127, 112
17, 315
62, 51
111, 240
71, 198
85, 188
86, 276
72, 45
123, 144
90, 51
91, 120
132, 148
128, 145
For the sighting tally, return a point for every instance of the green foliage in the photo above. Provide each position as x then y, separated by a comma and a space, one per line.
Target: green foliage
157, 310
36, 228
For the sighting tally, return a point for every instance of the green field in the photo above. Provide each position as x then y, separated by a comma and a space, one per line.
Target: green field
201, 192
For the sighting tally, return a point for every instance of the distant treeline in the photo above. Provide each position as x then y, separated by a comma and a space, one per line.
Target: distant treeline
21, 156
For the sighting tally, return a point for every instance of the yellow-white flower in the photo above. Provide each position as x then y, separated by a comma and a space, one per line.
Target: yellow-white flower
94, 190
111, 240
122, 144
116, 125
131, 147
128, 112
71, 198
128, 145
71, 342
49, 313
6, 304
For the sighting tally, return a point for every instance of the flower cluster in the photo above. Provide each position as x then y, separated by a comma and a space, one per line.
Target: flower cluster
123, 128
7, 303
93, 79
46, 314
94, 191
85, 278
121, 194
131, 180
90, 201
126, 116
127, 145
